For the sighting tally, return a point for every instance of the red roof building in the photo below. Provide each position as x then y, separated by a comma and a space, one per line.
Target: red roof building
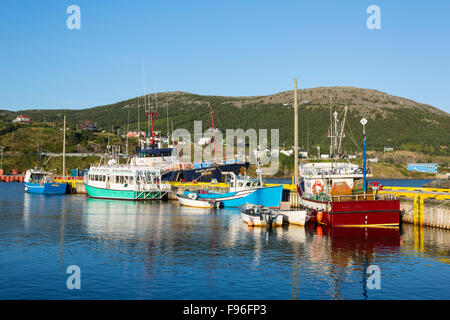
22, 119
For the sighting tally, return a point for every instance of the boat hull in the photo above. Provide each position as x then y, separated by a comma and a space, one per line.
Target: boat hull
269, 197
297, 217
259, 221
101, 193
45, 188
363, 213
193, 203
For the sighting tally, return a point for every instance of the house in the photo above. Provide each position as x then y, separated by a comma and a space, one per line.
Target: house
88, 125
423, 167
135, 134
23, 119
388, 148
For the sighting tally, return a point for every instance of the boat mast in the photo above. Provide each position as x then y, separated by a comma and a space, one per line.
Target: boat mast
40, 156
128, 130
138, 128
342, 130
212, 125
295, 134
64, 149
150, 114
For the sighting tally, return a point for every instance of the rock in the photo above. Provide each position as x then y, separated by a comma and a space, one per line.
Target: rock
441, 184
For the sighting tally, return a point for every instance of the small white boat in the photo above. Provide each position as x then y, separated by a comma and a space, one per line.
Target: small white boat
298, 217
260, 216
192, 200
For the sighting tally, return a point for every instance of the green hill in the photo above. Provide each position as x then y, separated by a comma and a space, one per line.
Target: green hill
398, 122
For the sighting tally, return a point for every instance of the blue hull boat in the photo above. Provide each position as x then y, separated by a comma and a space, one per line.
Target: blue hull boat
38, 181
45, 188
266, 196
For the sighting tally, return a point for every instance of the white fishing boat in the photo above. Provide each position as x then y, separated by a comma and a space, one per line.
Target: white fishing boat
123, 182
192, 200
260, 216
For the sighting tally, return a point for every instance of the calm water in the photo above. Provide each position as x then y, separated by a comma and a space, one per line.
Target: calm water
157, 250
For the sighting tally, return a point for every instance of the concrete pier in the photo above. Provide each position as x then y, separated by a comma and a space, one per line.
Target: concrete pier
433, 213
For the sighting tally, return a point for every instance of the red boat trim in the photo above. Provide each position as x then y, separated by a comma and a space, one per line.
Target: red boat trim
366, 211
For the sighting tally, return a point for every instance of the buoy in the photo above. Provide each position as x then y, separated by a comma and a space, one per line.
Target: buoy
319, 231
319, 216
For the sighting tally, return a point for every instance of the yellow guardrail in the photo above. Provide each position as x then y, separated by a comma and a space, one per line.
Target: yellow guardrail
417, 189
411, 192
224, 185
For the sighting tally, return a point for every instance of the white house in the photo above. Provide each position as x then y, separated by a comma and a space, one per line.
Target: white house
22, 119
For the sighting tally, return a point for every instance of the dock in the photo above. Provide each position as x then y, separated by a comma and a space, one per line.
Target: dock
420, 206
75, 184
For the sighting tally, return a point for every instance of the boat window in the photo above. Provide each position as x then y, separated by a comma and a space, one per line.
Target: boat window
117, 179
249, 184
121, 179
240, 184
131, 179
232, 184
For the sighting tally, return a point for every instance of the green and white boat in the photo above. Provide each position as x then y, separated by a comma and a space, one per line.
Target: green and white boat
123, 182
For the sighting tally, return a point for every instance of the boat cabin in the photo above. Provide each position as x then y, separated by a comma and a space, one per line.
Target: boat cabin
325, 177
38, 176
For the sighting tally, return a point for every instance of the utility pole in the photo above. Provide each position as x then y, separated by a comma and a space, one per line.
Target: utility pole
295, 134
64, 149
364, 122
1, 163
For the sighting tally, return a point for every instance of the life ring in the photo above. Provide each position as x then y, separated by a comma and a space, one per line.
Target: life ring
316, 185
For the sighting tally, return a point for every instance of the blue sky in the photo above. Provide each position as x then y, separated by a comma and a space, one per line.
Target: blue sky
235, 48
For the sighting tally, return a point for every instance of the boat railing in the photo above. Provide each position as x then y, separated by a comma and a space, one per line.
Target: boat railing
325, 172
363, 196
154, 186
351, 197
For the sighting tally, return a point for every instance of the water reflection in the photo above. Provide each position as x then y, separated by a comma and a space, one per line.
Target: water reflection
159, 250
350, 250
336, 257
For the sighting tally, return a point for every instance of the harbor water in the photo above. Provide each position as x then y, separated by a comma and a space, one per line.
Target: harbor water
159, 250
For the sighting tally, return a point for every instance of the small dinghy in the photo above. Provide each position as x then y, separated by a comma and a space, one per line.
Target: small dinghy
192, 200
260, 216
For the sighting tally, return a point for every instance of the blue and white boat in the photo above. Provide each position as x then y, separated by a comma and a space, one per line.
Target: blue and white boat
244, 189
38, 181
